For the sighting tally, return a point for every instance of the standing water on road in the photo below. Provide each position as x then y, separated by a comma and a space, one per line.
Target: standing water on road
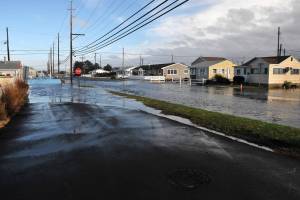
276, 106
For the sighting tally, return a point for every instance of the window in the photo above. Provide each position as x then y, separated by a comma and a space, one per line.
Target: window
193, 71
223, 71
186, 71
265, 70
172, 71
214, 71
238, 72
255, 71
278, 71
245, 71
295, 71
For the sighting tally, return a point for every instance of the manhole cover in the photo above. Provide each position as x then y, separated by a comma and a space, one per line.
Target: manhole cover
188, 179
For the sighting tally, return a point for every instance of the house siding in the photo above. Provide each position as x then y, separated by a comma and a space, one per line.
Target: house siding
180, 69
224, 68
288, 76
259, 77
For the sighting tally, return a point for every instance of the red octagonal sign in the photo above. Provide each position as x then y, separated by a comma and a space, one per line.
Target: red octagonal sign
77, 71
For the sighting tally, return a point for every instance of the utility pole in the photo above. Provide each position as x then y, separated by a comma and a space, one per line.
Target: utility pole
172, 59
48, 63
53, 57
58, 54
140, 60
51, 61
278, 41
123, 63
100, 61
71, 42
123, 54
284, 51
280, 49
95, 58
7, 44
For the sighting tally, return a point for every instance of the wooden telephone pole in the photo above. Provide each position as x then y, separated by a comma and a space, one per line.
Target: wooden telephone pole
71, 40
58, 62
7, 44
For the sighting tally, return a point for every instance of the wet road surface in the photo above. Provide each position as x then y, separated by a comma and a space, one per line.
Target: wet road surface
87, 144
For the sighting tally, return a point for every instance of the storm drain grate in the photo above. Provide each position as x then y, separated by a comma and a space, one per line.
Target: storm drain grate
188, 179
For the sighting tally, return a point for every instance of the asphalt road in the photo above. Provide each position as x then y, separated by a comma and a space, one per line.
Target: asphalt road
84, 151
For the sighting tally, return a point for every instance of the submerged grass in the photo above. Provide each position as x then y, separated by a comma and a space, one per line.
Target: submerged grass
281, 138
13, 97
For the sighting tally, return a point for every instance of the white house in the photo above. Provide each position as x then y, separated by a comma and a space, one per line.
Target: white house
271, 71
11, 69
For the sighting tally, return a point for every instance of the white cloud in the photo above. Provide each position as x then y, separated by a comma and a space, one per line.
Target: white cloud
230, 28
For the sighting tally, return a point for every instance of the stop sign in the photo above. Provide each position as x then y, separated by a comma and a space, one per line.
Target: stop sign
77, 71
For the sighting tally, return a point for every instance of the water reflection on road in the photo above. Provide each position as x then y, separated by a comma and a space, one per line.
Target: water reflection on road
277, 106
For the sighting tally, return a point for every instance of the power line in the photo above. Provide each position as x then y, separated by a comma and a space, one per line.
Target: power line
120, 24
109, 22
92, 13
130, 31
141, 17
105, 14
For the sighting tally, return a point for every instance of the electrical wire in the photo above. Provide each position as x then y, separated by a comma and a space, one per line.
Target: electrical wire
139, 27
134, 14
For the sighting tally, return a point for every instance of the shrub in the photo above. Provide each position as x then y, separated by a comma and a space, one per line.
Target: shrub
111, 74
238, 80
221, 79
287, 85
14, 96
2, 111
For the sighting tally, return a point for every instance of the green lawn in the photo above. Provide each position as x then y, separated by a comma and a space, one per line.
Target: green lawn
281, 138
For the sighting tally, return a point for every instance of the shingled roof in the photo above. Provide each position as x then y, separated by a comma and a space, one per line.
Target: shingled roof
208, 59
154, 67
270, 59
10, 65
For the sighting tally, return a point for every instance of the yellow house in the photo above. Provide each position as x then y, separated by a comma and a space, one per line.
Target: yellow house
272, 71
208, 67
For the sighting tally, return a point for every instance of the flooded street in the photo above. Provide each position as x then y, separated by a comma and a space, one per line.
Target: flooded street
276, 106
85, 143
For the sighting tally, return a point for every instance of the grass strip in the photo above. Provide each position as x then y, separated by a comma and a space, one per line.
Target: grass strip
283, 139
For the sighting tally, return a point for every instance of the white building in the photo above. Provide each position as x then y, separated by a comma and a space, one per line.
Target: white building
12, 69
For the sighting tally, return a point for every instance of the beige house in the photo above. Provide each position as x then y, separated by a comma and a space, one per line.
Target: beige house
176, 71
171, 71
208, 67
272, 71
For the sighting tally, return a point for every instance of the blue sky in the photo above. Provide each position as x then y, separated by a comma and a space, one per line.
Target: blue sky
234, 29
34, 24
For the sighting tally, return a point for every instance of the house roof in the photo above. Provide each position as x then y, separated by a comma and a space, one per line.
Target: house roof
10, 65
212, 60
154, 67
176, 64
269, 60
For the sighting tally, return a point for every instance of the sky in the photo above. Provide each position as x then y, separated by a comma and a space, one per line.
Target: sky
237, 30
